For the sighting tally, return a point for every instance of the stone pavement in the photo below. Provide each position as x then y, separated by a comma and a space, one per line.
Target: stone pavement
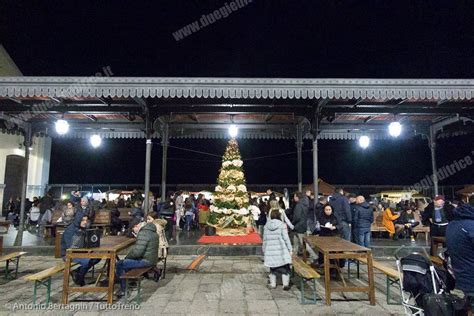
220, 285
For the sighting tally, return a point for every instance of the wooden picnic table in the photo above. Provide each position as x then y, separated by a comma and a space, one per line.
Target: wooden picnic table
109, 248
338, 248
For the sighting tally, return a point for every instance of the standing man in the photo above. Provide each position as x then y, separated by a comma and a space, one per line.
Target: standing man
342, 211
438, 214
363, 219
300, 215
144, 253
460, 242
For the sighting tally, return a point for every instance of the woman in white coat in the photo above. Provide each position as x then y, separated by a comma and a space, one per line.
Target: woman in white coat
277, 249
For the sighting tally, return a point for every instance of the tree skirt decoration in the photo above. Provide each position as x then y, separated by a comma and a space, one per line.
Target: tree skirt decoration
250, 239
229, 213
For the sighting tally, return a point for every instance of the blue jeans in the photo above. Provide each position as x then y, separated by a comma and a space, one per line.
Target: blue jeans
86, 264
189, 220
128, 264
363, 237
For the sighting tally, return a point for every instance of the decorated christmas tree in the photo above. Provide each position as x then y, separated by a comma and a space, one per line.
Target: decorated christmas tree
229, 212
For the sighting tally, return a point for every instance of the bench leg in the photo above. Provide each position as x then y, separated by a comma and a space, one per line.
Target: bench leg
17, 262
48, 288
34, 291
390, 282
8, 273
126, 291
7, 270
139, 299
47, 284
164, 268
312, 286
302, 291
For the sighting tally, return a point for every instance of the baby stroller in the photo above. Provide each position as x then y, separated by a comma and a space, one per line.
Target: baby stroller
418, 277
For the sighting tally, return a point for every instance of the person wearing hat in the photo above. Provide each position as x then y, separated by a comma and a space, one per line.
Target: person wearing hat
460, 243
144, 253
437, 215
84, 209
73, 237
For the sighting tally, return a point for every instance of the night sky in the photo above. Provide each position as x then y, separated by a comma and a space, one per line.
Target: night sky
315, 39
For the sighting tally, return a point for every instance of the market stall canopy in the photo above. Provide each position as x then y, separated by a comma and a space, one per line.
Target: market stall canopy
324, 188
467, 190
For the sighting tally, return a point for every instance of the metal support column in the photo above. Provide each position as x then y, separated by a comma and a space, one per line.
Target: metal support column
315, 132
149, 145
432, 145
164, 144
27, 144
299, 149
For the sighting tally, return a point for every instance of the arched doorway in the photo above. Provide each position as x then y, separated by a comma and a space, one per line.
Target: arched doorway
13, 178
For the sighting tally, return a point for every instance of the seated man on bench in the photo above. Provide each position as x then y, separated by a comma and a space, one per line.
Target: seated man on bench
73, 237
143, 254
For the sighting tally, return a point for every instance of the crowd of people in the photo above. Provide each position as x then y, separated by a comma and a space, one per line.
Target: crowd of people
282, 223
351, 218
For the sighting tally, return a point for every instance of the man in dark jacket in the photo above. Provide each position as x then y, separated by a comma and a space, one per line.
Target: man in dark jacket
299, 221
342, 211
363, 219
460, 242
437, 215
143, 254
73, 237
84, 209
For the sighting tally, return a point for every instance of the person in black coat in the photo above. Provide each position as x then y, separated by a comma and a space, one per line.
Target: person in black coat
363, 219
299, 221
329, 224
460, 243
438, 214
342, 211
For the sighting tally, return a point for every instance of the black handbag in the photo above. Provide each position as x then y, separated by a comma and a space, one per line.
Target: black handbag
444, 305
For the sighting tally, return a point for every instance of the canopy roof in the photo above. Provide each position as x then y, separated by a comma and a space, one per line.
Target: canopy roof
261, 107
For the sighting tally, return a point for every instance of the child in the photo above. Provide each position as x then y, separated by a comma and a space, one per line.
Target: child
277, 250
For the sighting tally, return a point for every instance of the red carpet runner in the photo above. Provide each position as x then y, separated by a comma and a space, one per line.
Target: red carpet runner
250, 239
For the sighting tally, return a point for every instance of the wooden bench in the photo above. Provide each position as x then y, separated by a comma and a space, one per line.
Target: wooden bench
391, 273
135, 275
423, 230
13, 257
44, 278
377, 225
124, 216
102, 220
306, 274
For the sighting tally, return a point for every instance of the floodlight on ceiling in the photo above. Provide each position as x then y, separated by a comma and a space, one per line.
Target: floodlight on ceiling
95, 140
62, 127
233, 130
364, 141
395, 129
